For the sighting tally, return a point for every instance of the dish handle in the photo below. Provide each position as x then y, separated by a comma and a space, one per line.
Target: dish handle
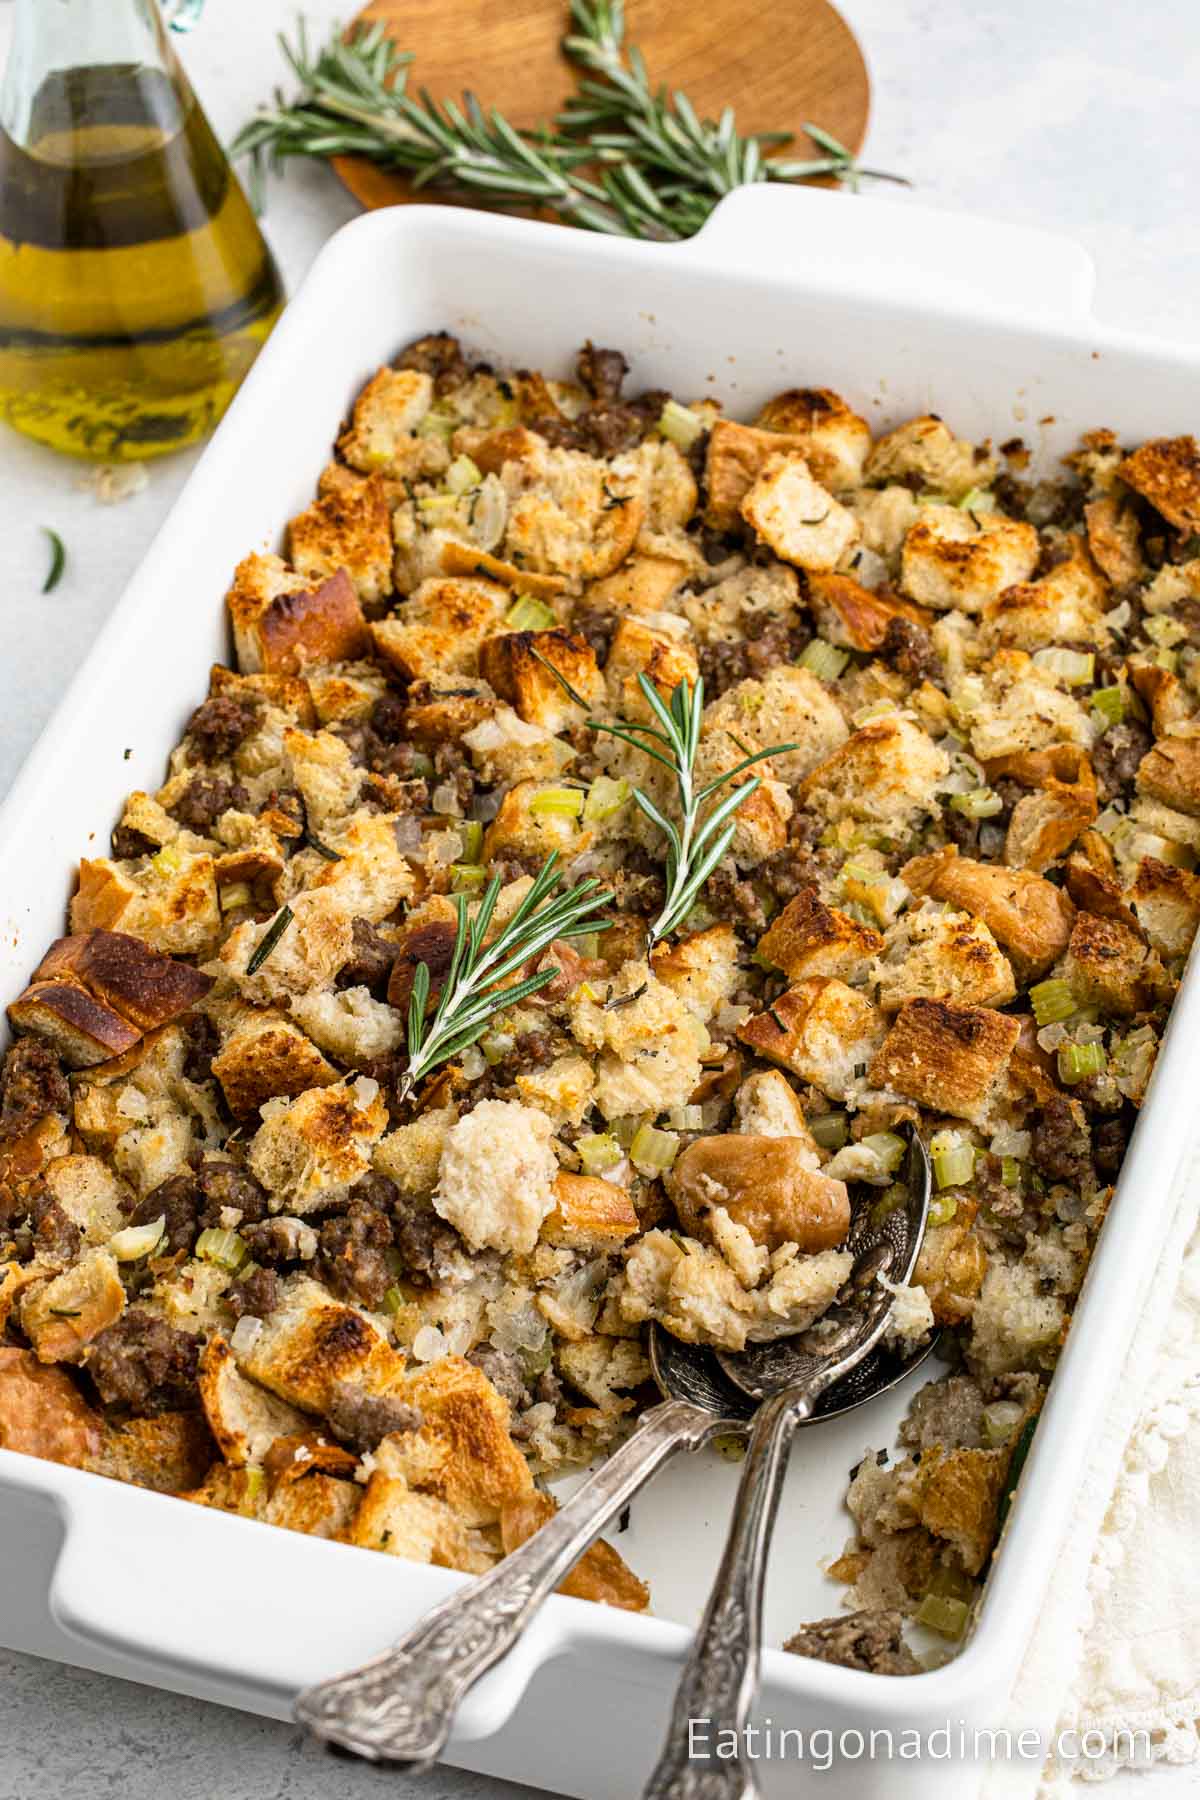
899, 249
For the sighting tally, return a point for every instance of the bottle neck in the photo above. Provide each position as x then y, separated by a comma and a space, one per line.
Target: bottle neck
53, 37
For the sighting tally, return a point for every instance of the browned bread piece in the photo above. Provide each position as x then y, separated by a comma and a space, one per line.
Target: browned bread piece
1164, 694
836, 440
1029, 918
264, 1055
311, 1342
466, 559
957, 1494
948, 1058
1111, 966
1171, 773
951, 1265
810, 938
144, 986
168, 1453
1114, 539
463, 1453
244, 1418
600, 1574
439, 629
516, 666
766, 1184
736, 456
1167, 903
280, 623
61, 1316
1166, 472
850, 614
83, 1030
175, 909
419, 1527
822, 1030
348, 529
589, 1214
43, 1413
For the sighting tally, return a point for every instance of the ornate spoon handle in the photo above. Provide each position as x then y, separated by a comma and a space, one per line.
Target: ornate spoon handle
400, 1706
720, 1678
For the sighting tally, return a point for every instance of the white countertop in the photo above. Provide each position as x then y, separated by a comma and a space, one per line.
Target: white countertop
1060, 113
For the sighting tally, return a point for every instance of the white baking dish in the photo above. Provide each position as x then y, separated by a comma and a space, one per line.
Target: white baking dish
902, 310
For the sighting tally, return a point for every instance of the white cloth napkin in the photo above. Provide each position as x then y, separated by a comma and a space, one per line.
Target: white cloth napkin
1117, 1643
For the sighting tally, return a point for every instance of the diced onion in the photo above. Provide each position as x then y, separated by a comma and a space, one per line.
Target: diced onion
1052, 1001
558, 802
680, 424
978, 803
1076, 667
1000, 1420
237, 894
605, 797
136, 1241
473, 1062
437, 509
463, 475
653, 1151
598, 1152
224, 1248
444, 799
245, 1335
528, 614
1163, 630
887, 1147
824, 660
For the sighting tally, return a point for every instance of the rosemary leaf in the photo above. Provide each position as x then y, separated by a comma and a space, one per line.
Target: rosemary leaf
271, 937
58, 561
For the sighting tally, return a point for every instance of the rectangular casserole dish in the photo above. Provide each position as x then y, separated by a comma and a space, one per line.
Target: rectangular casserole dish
902, 310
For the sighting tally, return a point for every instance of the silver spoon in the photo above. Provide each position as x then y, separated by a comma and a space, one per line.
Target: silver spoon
400, 1707
719, 1683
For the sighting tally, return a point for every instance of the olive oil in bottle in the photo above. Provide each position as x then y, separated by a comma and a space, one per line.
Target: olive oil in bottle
135, 286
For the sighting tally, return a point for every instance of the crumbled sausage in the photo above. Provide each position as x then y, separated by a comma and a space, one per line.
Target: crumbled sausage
280, 1240
257, 1295
505, 1373
599, 628
909, 649
1062, 1144
1108, 1146
205, 798
220, 725
227, 1184
351, 1259
361, 1420
872, 1640
727, 896
56, 1236
601, 372
176, 1202
203, 1042
439, 355
144, 1365
1115, 756
128, 844
32, 1087
765, 643
424, 1243
370, 961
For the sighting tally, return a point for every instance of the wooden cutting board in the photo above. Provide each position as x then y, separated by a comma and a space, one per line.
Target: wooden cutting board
776, 65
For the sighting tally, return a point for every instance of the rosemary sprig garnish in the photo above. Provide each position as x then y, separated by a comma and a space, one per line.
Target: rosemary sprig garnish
270, 938
696, 845
622, 156
472, 993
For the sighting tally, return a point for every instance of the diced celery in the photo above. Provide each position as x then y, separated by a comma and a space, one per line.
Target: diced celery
224, 1248
528, 614
496, 1046
824, 660
606, 796
468, 878
686, 1118
953, 1164
864, 874
558, 802
1052, 1001
941, 1614
1109, 702
136, 1241
680, 424
598, 1151
1076, 1062
1163, 630
979, 803
830, 1130
167, 861
625, 1128
1010, 1172
1076, 667
437, 509
238, 893
394, 1301
463, 475
1167, 659
890, 1201
472, 840
942, 1208
977, 500
653, 1151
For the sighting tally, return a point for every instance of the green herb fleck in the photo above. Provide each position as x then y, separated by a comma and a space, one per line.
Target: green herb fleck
275, 931
58, 561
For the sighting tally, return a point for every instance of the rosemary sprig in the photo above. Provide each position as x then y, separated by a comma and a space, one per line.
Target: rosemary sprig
622, 157
696, 845
472, 992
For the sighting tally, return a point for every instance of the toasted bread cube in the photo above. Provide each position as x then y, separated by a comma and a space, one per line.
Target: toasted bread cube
496, 1175
1167, 903
411, 1154
1029, 918
935, 955
167, 1454
309, 1151
821, 1030
350, 1024
643, 584
439, 630
951, 1266
735, 457
581, 520
1110, 966
150, 820
926, 447
1015, 1323
1171, 773
799, 519
517, 830
1114, 539
766, 1185
311, 1342
349, 528
43, 1413
371, 876
418, 1527
836, 440
244, 1418
788, 706
323, 768
640, 649
957, 1496
1167, 697
562, 1090
382, 434
170, 902
1166, 472
437, 713
264, 1056
600, 1574
515, 666
280, 624
83, 1030
766, 1106
455, 558
145, 987
463, 1454
313, 947
810, 938
1045, 824
1065, 606
949, 1058
61, 1316
701, 968
589, 1214
886, 773
1022, 710
885, 518
345, 691
89, 1193
952, 560
851, 615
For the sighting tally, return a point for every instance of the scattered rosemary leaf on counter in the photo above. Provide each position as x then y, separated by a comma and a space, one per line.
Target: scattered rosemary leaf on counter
58, 561
275, 931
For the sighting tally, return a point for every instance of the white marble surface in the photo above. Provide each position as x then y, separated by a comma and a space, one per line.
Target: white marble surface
1071, 114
